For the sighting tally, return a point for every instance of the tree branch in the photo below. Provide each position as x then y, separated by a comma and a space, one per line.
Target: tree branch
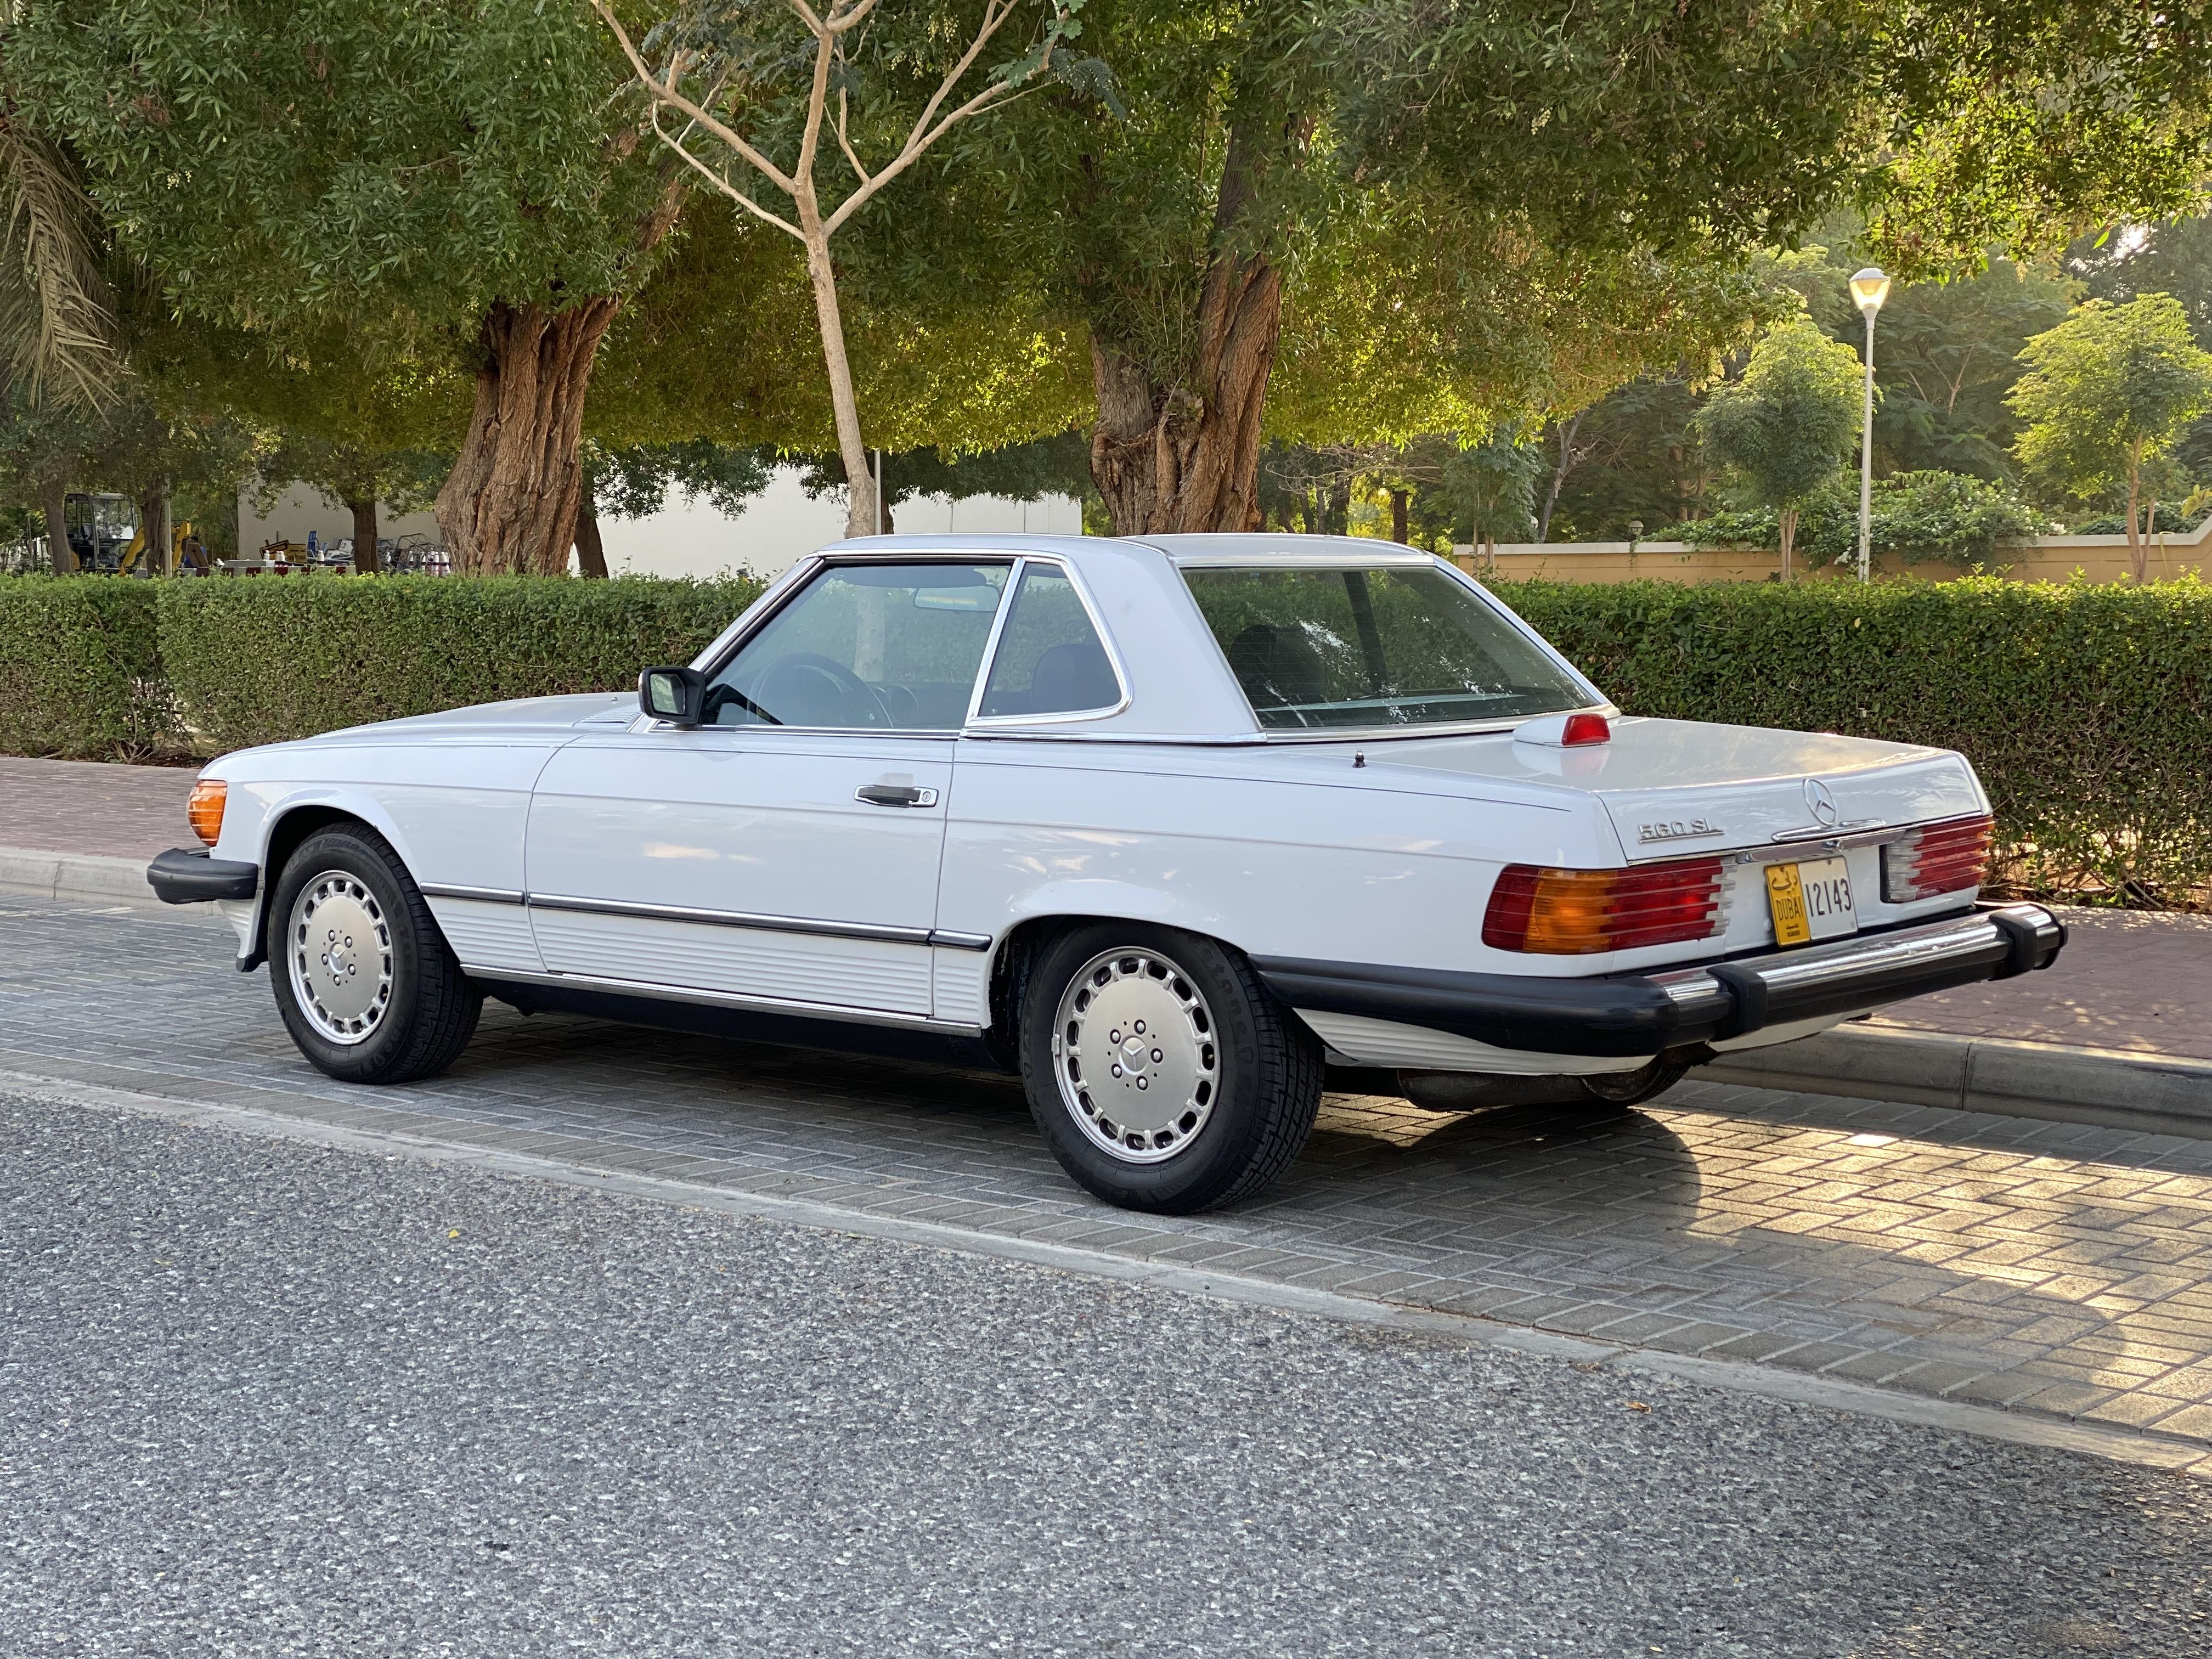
845, 144
667, 94
720, 183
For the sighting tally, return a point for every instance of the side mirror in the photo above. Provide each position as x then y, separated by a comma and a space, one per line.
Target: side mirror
673, 695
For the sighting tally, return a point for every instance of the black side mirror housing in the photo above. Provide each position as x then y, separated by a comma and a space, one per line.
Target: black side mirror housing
672, 695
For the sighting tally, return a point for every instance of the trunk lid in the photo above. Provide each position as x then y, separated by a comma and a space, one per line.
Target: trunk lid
1674, 788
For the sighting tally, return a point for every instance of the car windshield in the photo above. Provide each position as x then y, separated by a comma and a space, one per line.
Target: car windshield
1390, 647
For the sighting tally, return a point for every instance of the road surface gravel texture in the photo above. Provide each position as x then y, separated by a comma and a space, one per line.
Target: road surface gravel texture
266, 1398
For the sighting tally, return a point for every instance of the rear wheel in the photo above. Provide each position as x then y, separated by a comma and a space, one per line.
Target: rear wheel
1162, 1075
365, 982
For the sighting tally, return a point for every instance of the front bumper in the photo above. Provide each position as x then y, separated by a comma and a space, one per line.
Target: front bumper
190, 875
1646, 1014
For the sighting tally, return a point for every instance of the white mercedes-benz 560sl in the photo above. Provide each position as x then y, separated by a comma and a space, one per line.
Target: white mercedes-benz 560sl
1170, 826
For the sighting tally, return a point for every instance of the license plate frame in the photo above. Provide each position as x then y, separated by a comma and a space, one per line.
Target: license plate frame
1811, 900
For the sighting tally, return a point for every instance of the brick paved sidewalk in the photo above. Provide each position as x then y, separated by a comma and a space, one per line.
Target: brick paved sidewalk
2052, 1267
2127, 980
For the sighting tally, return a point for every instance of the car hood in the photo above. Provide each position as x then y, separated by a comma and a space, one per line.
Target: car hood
524, 716
1674, 788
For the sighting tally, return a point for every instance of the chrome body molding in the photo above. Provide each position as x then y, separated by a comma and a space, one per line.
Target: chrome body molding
480, 894
657, 991
868, 930
949, 940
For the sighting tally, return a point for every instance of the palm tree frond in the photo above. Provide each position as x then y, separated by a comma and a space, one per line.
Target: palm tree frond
56, 331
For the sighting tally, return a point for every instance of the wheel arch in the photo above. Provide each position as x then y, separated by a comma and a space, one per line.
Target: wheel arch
289, 827
1021, 946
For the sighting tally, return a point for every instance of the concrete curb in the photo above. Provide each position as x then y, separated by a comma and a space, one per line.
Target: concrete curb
2149, 1094
2114, 1088
75, 875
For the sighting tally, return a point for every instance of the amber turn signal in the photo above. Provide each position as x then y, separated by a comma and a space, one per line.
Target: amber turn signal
209, 795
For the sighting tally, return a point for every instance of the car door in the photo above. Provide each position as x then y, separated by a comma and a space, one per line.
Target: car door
786, 850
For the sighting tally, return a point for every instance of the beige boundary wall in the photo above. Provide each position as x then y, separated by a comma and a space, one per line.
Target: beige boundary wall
2046, 559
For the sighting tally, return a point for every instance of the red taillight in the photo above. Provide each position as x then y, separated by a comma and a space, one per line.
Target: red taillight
1576, 912
1940, 858
1585, 728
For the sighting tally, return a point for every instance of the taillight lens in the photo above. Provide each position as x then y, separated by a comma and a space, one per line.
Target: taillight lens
1576, 912
205, 809
1937, 858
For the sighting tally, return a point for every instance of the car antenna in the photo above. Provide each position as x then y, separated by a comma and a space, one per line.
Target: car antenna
1358, 759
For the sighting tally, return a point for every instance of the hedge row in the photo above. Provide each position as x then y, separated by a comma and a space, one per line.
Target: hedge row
2087, 710
102, 668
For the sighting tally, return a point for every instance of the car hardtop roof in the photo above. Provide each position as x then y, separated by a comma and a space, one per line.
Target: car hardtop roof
1271, 549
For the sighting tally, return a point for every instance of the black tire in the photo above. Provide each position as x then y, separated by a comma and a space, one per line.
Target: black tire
1618, 1090
430, 1013
1265, 1081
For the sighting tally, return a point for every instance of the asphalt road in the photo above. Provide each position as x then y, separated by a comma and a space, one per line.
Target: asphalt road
260, 1397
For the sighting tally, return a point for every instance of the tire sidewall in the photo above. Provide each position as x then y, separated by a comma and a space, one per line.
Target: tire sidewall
356, 855
1223, 1147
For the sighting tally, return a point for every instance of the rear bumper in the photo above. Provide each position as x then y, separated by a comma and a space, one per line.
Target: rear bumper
1645, 1014
188, 875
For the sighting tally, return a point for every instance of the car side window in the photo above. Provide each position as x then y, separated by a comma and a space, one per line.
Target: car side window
1050, 660
888, 647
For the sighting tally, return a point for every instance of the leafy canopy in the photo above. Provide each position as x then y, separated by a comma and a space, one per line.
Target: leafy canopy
1787, 425
2108, 388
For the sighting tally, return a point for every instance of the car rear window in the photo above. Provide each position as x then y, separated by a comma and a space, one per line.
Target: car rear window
1375, 646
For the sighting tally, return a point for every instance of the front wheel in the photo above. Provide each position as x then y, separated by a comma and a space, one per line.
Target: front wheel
365, 982
1162, 1075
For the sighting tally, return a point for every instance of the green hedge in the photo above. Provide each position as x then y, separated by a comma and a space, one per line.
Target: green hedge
262, 661
81, 670
2086, 710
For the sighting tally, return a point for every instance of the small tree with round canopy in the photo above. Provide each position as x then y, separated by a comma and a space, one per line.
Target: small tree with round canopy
1786, 427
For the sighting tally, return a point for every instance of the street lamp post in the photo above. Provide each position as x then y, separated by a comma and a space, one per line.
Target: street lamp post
1869, 287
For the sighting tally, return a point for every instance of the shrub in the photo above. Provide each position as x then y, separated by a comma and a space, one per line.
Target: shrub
263, 660
1916, 516
2086, 710
81, 670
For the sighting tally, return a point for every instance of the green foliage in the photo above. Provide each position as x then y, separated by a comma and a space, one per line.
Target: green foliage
2108, 389
81, 670
633, 482
263, 661
1919, 516
2086, 710
282, 161
1788, 424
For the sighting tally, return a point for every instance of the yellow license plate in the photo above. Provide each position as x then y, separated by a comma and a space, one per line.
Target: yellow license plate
1811, 900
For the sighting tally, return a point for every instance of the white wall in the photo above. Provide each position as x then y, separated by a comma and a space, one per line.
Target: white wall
300, 508
780, 525
776, 528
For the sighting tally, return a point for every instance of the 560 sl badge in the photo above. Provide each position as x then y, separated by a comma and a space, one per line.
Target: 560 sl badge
1678, 830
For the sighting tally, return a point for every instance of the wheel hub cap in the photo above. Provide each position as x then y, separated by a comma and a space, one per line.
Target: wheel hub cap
340, 958
1134, 1051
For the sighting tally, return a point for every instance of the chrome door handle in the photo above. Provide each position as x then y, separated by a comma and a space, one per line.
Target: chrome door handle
895, 794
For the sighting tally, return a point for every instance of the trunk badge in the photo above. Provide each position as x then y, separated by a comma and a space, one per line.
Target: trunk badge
1827, 816
1678, 830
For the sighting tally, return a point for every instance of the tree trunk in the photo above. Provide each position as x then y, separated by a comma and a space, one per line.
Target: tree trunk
860, 516
365, 562
509, 506
1402, 503
53, 501
1788, 528
591, 551
1185, 457
1558, 476
154, 527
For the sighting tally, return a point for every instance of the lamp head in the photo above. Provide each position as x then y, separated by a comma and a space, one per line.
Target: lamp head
1869, 287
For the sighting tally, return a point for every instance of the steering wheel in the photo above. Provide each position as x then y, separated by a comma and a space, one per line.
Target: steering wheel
810, 689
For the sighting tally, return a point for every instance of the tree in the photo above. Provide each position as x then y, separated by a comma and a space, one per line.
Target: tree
1787, 425
54, 321
455, 176
727, 69
2106, 392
